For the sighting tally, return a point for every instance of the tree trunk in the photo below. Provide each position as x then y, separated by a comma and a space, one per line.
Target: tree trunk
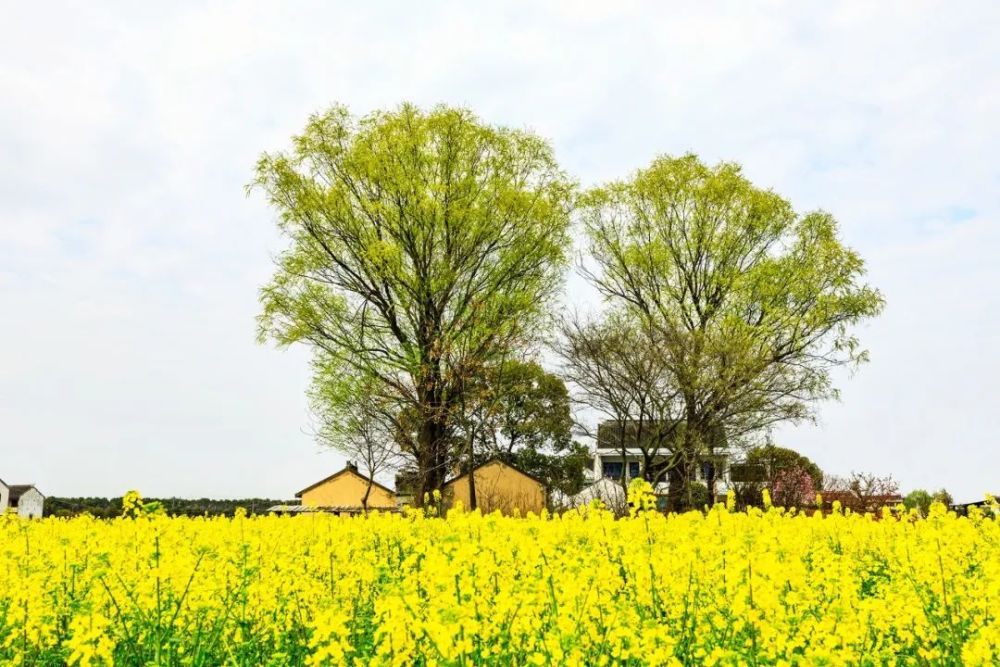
710, 483
692, 441
675, 487
681, 474
624, 450
690, 466
432, 460
472, 471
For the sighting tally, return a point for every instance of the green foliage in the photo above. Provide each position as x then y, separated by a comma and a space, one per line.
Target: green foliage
942, 496
423, 246
108, 508
696, 496
918, 499
775, 459
753, 302
519, 413
524, 407
356, 418
922, 499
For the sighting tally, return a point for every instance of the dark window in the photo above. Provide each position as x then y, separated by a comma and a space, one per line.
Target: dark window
633, 469
613, 469
707, 470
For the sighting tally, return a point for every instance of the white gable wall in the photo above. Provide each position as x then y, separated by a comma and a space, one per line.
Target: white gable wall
4, 497
31, 504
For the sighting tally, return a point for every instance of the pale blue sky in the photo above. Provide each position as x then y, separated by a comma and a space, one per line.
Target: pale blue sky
130, 258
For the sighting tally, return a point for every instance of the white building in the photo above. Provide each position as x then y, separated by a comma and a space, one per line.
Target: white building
611, 461
24, 498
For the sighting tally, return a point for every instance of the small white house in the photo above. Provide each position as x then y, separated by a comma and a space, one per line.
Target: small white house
24, 498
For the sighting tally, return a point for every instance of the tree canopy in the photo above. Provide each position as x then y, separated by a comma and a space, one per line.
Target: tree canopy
921, 499
792, 479
355, 418
423, 245
753, 302
616, 365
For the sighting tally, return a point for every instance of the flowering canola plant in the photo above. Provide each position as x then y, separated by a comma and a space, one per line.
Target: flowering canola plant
773, 587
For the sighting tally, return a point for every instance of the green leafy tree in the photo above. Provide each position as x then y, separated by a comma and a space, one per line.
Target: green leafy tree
423, 246
698, 496
564, 470
754, 303
774, 459
532, 410
918, 499
517, 412
922, 499
942, 496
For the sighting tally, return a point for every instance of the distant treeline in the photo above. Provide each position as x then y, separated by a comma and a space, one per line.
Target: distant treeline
112, 507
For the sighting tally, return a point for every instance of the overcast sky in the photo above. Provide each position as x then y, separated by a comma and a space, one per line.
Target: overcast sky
130, 257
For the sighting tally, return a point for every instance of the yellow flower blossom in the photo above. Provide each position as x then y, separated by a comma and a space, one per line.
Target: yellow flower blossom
581, 588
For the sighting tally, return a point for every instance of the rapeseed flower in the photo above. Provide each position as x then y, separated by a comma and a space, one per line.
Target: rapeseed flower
720, 587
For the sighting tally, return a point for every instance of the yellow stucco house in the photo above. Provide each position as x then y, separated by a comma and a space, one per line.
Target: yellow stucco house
342, 492
499, 486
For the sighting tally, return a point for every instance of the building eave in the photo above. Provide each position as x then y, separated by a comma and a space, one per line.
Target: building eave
338, 474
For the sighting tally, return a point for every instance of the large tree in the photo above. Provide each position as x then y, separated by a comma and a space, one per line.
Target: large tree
423, 245
754, 303
526, 407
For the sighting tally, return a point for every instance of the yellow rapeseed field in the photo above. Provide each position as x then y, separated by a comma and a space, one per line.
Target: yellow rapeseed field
769, 587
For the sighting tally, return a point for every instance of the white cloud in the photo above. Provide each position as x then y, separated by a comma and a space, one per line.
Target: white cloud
130, 259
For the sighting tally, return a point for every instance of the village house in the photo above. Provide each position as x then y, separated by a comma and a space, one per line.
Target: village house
342, 493
499, 487
617, 453
25, 499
